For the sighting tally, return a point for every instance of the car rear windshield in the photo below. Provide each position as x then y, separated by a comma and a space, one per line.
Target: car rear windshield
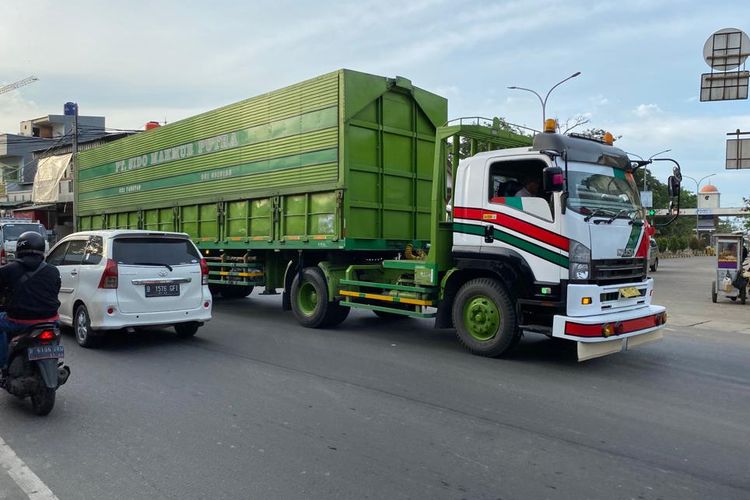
11, 232
154, 251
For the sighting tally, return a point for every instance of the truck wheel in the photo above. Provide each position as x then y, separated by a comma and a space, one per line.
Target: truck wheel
714, 295
236, 291
310, 303
485, 318
336, 314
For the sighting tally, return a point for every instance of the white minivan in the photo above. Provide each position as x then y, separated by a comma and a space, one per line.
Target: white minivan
114, 279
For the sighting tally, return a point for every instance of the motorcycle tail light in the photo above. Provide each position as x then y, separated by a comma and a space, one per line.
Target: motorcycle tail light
46, 336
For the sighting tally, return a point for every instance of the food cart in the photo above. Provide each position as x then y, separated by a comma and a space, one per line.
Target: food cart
729, 281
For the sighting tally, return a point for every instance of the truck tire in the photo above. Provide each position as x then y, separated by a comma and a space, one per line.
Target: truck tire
485, 318
714, 294
310, 301
235, 291
336, 314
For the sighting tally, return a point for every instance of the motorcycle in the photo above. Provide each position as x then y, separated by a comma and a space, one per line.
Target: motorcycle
35, 367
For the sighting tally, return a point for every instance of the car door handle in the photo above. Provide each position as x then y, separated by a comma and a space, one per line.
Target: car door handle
74, 273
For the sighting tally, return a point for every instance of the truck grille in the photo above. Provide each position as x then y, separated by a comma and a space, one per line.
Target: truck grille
615, 271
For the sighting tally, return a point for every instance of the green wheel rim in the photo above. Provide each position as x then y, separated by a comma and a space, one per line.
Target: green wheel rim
481, 318
307, 299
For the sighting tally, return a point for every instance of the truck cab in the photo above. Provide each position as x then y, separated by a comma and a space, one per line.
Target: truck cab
571, 258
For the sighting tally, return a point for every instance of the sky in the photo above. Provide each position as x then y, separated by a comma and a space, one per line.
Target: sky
640, 62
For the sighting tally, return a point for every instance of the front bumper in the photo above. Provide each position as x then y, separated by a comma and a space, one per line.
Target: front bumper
602, 334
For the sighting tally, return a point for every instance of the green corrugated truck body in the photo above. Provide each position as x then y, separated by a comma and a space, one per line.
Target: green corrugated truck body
340, 161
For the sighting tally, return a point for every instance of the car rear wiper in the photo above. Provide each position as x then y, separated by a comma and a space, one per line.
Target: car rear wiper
153, 264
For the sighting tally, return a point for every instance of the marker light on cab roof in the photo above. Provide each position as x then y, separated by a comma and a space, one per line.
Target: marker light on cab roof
550, 125
608, 138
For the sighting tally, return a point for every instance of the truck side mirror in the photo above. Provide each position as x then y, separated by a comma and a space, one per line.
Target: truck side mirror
553, 179
673, 186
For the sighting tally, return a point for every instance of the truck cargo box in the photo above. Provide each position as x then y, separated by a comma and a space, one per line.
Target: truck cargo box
340, 161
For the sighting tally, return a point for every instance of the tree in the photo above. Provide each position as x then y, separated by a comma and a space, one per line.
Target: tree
597, 133
498, 123
747, 209
683, 227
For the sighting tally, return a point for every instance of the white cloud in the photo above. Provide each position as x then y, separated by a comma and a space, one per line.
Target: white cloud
646, 110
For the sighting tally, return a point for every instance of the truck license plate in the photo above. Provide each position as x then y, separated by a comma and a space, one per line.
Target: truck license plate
630, 292
163, 290
46, 352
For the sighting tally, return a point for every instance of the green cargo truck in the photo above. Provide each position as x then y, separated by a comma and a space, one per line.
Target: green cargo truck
345, 191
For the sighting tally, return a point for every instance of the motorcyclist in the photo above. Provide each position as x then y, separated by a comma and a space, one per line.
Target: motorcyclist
30, 288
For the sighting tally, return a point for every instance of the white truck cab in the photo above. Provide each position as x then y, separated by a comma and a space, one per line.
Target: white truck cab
578, 246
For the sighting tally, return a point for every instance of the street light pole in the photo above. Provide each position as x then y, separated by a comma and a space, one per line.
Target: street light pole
544, 101
697, 194
645, 168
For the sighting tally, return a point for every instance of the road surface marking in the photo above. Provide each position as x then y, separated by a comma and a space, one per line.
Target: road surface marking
24, 477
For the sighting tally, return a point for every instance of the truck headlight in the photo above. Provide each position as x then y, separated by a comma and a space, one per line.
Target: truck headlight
580, 261
579, 272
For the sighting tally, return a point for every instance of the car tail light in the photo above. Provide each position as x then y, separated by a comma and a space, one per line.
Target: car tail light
204, 272
110, 275
3, 260
46, 335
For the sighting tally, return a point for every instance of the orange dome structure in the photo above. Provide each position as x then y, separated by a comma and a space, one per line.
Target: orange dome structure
709, 188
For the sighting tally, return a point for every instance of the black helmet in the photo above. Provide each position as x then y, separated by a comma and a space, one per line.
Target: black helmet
30, 243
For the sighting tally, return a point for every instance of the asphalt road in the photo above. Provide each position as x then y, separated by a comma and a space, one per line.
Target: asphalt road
257, 407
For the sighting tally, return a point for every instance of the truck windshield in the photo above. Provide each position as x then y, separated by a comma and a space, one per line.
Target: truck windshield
11, 232
603, 193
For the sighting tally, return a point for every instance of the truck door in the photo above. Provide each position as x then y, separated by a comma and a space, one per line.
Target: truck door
517, 217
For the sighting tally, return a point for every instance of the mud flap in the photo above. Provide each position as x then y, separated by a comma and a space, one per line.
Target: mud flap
591, 350
643, 339
48, 371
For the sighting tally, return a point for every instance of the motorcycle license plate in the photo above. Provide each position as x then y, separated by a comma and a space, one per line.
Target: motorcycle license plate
46, 352
630, 292
172, 290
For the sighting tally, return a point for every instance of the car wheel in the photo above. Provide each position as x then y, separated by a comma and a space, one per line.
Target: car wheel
185, 330
714, 295
485, 318
82, 327
654, 266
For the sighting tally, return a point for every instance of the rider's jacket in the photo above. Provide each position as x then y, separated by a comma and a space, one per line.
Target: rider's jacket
30, 291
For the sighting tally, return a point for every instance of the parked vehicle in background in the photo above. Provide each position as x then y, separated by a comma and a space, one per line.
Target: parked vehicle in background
10, 230
653, 255
127, 278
